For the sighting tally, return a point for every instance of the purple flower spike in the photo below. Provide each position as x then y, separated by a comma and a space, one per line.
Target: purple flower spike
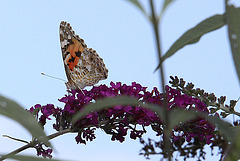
117, 121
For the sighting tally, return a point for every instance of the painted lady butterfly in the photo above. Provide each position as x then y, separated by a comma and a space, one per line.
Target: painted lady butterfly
83, 65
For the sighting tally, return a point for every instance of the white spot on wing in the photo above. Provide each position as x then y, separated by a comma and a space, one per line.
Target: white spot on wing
64, 43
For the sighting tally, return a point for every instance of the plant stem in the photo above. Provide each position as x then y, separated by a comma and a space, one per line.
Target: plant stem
155, 24
29, 145
33, 143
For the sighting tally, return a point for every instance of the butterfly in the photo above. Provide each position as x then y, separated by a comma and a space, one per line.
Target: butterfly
83, 66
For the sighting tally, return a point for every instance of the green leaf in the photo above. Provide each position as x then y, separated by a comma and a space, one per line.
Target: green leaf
120, 100
179, 116
234, 151
30, 158
165, 5
233, 22
139, 6
224, 127
14, 111
194, 34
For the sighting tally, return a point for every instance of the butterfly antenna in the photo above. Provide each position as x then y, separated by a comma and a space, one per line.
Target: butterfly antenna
53, 77
81, 91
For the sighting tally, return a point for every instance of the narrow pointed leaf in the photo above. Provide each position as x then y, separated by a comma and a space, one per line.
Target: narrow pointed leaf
233, 22
165, 5
233, 152
180, 116
14, 111
223, 126
120, 100
139, 6
194, 34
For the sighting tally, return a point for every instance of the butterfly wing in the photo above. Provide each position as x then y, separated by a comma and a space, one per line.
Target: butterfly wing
83, 65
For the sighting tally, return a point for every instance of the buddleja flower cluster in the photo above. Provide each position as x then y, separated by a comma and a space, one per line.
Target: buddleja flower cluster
119, 120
